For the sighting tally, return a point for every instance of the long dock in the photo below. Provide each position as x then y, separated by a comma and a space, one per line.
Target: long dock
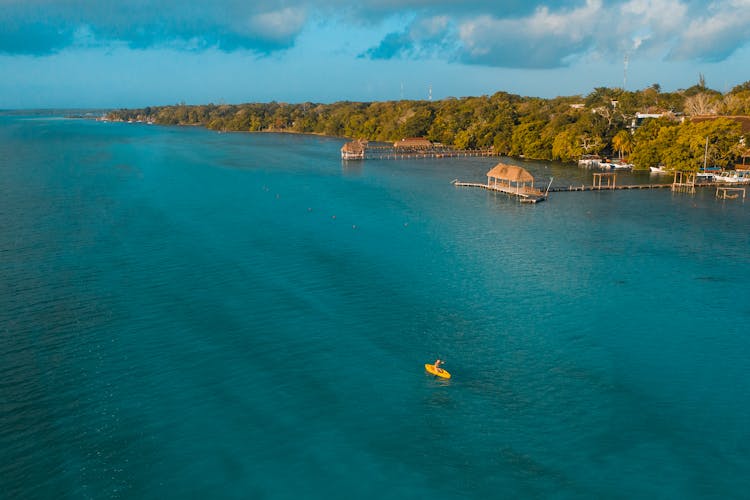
524, 195
570, 189
567, 189
391, 153
536, 195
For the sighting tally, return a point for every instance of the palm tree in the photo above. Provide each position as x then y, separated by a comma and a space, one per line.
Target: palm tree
622, 142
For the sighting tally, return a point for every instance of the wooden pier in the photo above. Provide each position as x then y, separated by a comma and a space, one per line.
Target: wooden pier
566, 189
525, 195
571, 188
730, 193
390, 153
534, 195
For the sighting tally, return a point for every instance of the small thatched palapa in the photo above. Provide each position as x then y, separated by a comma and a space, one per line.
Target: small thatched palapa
352, 147
512, 179
353, 151
509, 174
413, 143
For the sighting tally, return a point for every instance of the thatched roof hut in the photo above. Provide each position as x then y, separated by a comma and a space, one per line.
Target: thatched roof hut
353, 151
512, 179
352, 147
413, 143
507, 174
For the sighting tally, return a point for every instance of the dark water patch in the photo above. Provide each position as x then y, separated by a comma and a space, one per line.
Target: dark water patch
713, 279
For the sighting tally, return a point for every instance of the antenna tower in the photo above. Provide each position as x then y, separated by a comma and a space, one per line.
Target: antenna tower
625, 72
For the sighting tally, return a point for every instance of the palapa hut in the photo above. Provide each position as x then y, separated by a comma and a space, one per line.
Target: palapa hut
511, 179
353, 151
413, 143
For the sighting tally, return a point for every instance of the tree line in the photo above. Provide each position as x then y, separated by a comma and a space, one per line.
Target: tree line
562, 128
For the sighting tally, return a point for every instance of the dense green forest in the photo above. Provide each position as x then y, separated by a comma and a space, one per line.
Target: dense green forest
564, 128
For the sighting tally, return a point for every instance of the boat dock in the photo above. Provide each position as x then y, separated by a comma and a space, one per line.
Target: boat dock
566, 189
534, 195
570, 189
391, 153
527, 195
730, 193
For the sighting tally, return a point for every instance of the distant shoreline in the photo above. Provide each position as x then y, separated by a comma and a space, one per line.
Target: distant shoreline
647, 127
201, 125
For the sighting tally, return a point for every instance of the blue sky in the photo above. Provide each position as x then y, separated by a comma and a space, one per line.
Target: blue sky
132, 53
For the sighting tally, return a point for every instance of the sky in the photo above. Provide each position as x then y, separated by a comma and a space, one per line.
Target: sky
134, 53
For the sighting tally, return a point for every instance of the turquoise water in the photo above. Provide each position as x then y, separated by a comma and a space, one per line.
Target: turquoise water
192, 314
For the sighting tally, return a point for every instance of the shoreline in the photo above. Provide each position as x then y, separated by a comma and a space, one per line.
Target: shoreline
521, 158
220, 131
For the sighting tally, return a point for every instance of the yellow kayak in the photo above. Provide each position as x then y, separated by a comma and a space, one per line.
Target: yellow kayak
442, 373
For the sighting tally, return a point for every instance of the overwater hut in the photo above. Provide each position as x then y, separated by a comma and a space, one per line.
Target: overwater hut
413, 143
512, 179
353, 151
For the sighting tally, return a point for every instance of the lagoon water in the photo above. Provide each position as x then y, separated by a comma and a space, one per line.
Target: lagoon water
186, 314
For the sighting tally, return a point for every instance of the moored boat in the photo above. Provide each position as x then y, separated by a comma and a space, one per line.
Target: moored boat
589, 161
621, 165
733, 176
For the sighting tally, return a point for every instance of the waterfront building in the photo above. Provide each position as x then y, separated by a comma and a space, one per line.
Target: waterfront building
413, 143
512, 179
353, 151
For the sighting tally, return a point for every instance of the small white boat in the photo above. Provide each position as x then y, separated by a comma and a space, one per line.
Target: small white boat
621, 165
661, 169
589, 161
733, 176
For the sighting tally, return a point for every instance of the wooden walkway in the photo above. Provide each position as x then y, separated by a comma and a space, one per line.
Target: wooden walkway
536, 195
730, 193
524, 195
570, 189
567, 189
390, 153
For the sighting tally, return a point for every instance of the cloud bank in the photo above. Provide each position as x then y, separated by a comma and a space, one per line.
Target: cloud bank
40, 27
514, 33
555, 34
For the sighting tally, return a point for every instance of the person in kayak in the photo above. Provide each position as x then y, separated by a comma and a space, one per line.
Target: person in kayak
439, 362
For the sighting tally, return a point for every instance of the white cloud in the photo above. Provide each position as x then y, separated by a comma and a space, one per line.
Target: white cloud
511, 33
548, 38
542, 39
280, 24
575, 24
716, 35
